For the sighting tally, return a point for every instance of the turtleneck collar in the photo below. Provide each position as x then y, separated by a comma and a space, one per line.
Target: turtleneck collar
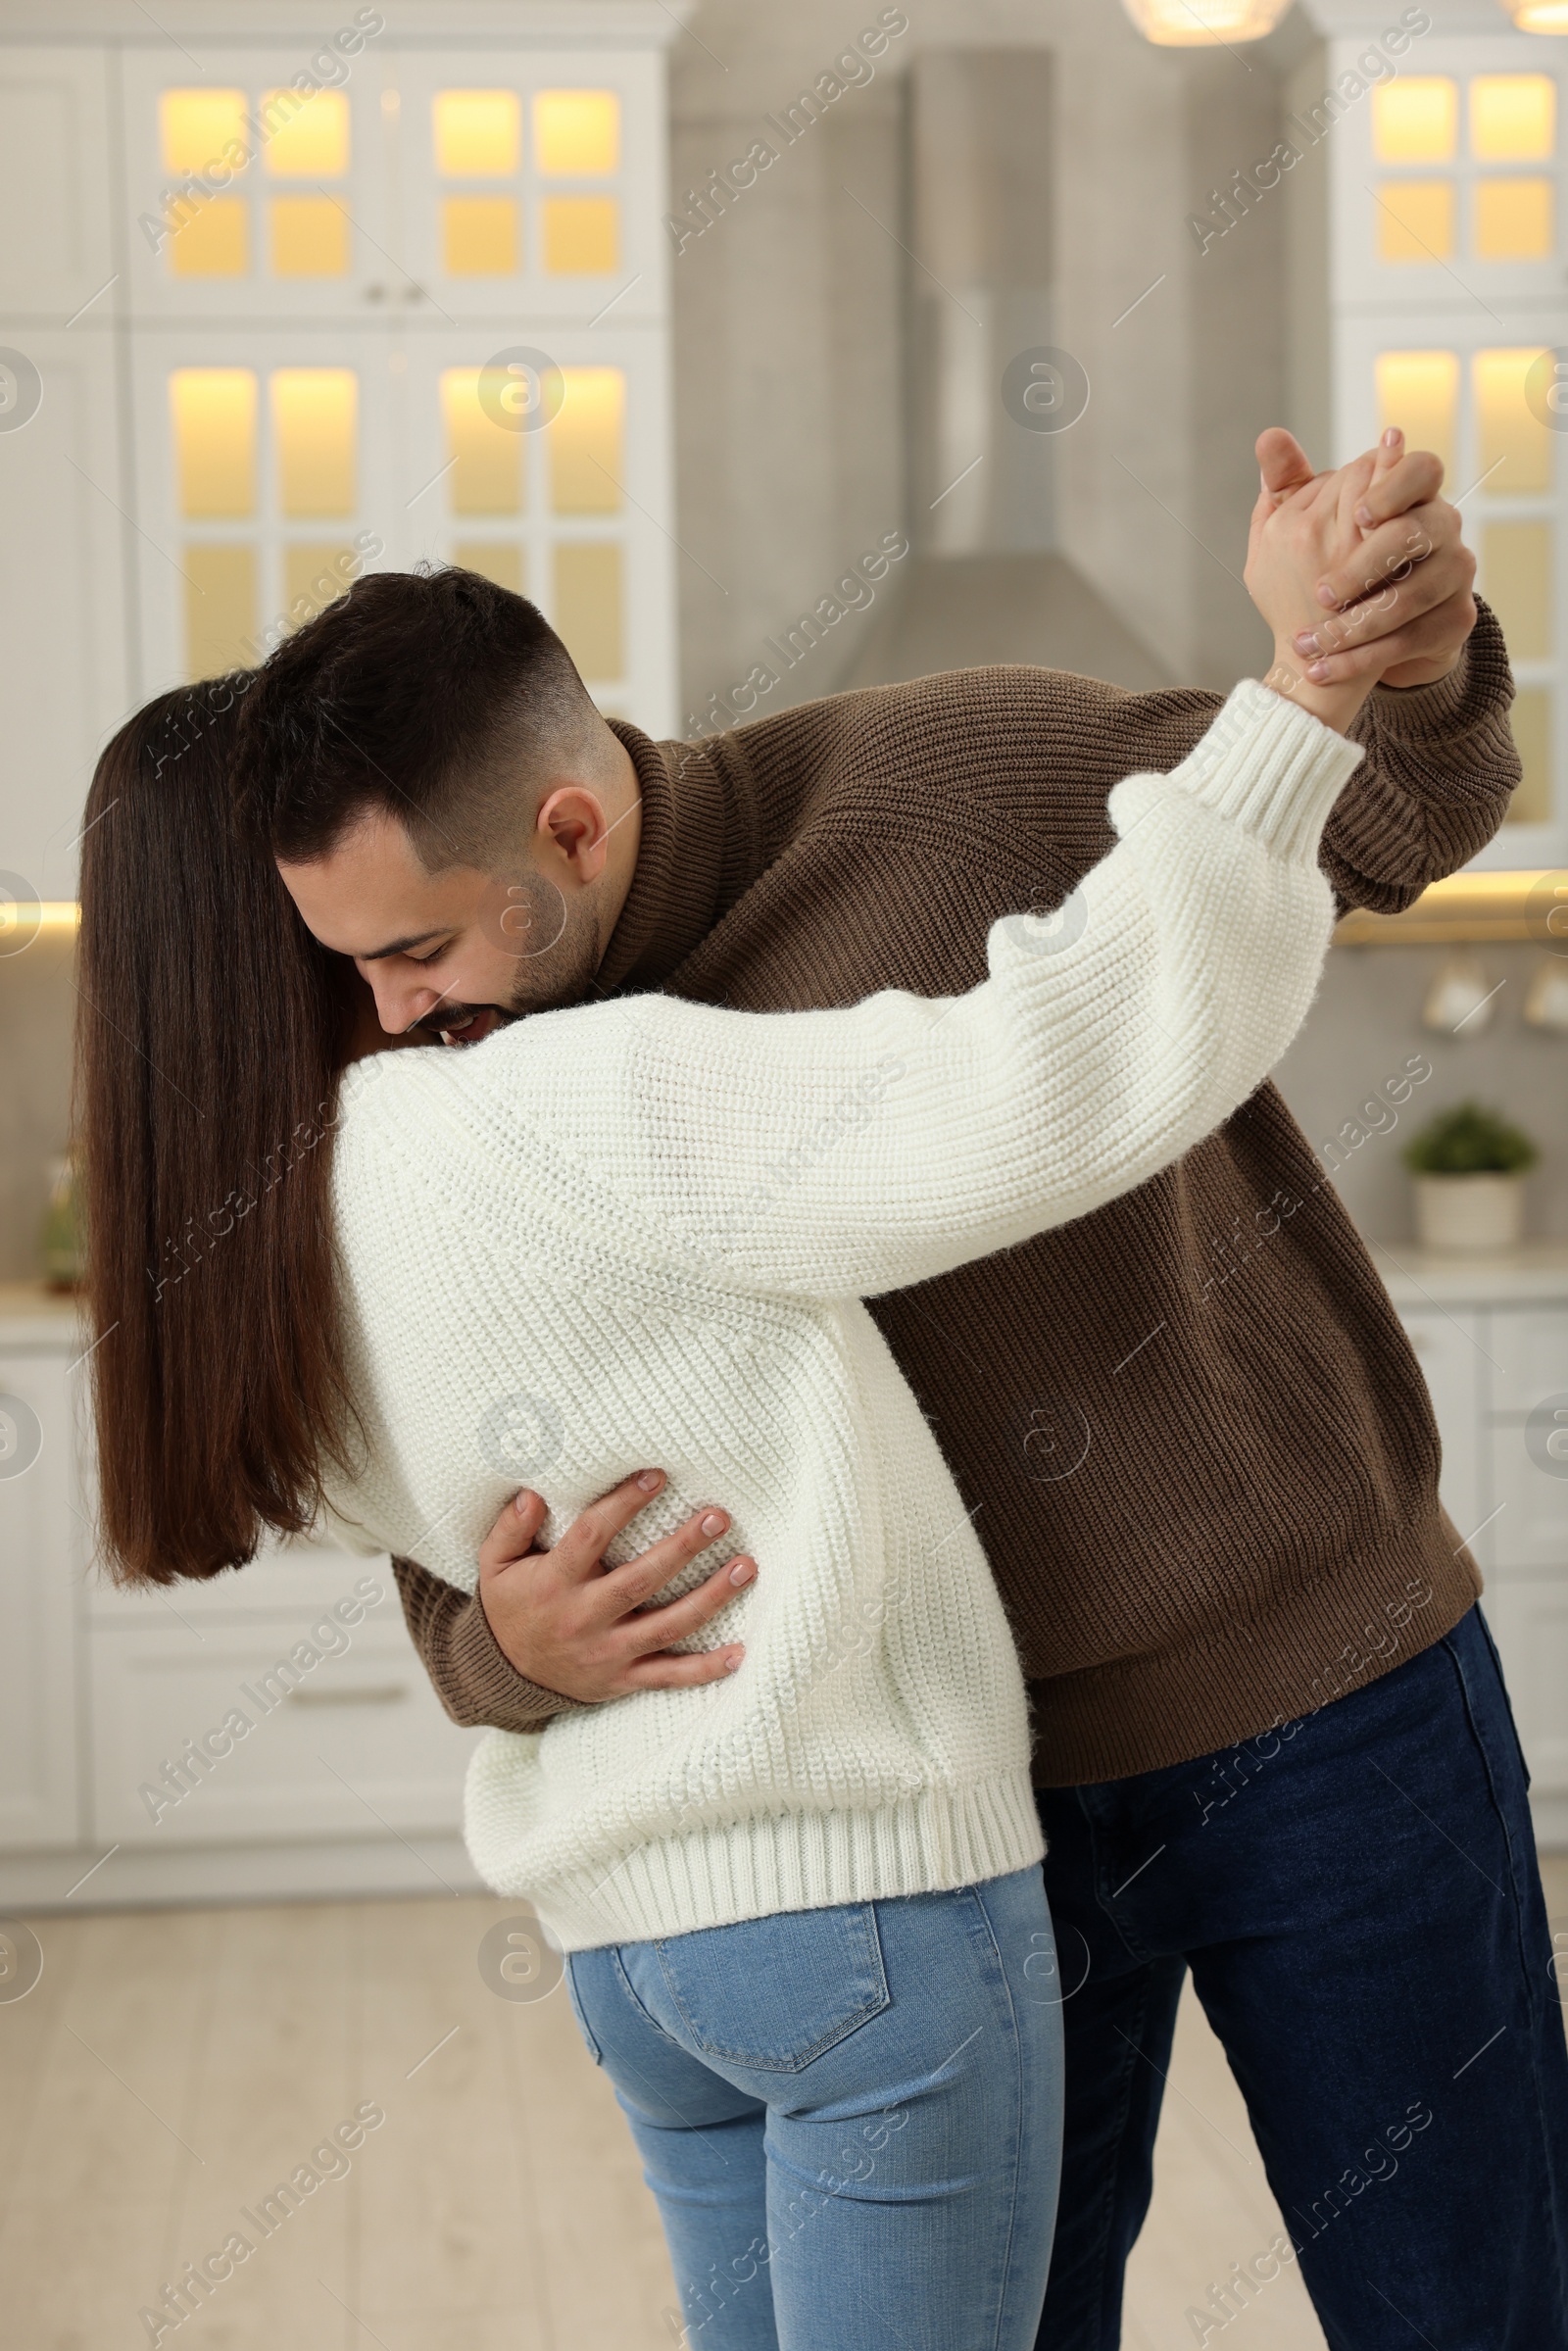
699, 849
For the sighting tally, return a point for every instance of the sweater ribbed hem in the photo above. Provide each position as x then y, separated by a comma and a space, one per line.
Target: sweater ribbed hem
1325, 1638
926, 1844
1272, 768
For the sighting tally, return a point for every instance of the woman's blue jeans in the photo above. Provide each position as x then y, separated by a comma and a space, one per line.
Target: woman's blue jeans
851, 2118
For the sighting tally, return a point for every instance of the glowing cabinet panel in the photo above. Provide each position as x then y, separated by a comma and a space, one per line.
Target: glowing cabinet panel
250, 287
250, 197
417, 315
263, 461
533, 184
1445, 245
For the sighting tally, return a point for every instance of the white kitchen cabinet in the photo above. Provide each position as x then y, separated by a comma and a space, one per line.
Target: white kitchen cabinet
267, 481
40, 1722
531, 186
1491, 1336
64, 646
56, 194
1450, 1365
551, 513
1428, 217
181, 235
250, 199
116, 1777
352, 1746
1529, 1619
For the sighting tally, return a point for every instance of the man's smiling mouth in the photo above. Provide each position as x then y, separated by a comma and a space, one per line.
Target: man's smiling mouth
471, 1024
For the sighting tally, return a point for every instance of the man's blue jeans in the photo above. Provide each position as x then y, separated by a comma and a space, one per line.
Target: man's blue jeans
851, 2118
1358, 1898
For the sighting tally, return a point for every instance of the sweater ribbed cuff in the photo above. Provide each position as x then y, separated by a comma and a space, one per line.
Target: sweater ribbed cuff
481, 1669
1272, 768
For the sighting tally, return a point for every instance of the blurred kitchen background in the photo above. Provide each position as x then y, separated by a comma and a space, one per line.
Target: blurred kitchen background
847, 345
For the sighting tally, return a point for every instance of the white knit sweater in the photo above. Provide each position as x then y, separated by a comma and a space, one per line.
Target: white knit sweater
639, 1232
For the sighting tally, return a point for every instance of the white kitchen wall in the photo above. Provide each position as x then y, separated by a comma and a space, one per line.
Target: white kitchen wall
789, 398
1363, 1028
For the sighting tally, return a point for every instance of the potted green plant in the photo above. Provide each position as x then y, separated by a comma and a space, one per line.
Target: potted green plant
1469, 1166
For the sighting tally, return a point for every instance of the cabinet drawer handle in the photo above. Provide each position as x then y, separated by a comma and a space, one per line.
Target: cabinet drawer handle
370, 1694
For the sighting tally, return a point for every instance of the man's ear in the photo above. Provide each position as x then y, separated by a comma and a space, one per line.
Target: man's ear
572, 825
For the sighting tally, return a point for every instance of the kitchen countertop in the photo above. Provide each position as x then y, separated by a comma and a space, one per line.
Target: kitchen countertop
1536, 1273
31, 1314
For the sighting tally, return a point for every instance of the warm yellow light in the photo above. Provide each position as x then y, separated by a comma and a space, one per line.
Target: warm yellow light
1540, 15
1513, 117
479, 236
478, 133
220, 609
198, 128
588, 604
1415, 120
1471, 907
577, 133
585, 442
1415, 219
1514, 450
307, 136
1530, 719
315, 419
314, 576
486, 458
309, 237
581, 236
212, 237
499, 559
24, 919
1514, 219
1419, 391
1516, 580
1199, 24
214, 411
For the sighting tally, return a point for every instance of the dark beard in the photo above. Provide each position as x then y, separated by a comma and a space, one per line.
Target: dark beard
559, 974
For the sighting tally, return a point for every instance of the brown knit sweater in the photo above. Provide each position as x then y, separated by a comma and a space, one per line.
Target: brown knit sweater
1197, 1446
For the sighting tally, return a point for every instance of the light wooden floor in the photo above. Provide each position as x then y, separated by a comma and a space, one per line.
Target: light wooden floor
171, 2066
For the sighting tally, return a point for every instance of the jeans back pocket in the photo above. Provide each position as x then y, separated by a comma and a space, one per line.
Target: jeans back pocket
771, 1994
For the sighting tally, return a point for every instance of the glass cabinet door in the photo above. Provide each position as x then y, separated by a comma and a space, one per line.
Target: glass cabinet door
268, 482
542, 469
531, 186
249, 198
1478, 392
1451, 186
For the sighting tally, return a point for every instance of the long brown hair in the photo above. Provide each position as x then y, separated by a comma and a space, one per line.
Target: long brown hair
210, 1034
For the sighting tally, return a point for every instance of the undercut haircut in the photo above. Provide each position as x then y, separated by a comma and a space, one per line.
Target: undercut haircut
432, 695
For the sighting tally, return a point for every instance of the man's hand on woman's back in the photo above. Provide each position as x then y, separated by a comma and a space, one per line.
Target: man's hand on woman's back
571, 1624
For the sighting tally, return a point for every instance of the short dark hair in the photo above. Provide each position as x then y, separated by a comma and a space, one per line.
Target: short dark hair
419, 693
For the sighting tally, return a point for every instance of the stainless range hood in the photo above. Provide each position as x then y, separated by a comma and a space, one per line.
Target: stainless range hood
986, 579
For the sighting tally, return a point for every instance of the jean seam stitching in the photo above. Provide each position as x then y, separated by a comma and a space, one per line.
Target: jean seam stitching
630, 1992
1005, 2282
1133, 2053
1517, 1896
819, 2048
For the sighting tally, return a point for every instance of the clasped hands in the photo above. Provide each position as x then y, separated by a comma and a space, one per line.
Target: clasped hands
1361, 573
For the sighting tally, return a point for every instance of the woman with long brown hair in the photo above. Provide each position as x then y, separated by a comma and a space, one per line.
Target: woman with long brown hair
801, 1903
